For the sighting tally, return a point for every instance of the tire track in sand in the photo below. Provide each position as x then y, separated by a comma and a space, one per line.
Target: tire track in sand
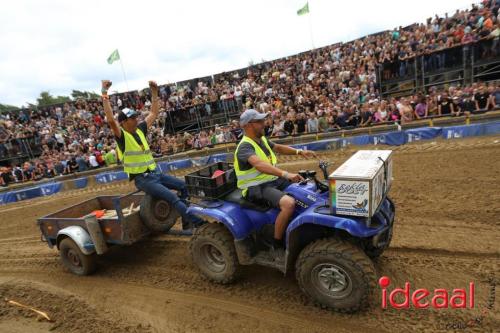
153, 298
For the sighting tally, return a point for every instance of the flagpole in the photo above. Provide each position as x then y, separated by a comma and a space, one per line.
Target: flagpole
310, 24
123, 72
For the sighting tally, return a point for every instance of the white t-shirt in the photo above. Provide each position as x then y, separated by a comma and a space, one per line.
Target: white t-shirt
245, 85
220, 137
93, 161
59, 137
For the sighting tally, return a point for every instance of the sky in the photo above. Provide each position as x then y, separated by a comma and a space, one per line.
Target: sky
63, 45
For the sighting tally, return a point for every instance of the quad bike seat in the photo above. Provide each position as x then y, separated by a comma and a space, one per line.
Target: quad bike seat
237, 198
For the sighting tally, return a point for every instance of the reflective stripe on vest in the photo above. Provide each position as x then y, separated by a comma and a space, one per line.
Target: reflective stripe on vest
253, 177
132, 153
136, 159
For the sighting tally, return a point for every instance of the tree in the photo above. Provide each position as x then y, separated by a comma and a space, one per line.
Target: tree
47, 99
77, 94
6, 107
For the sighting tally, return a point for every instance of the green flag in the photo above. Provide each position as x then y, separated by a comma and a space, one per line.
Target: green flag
304, 10
113, 57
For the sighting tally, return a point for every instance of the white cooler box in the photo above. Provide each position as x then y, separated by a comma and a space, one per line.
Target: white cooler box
358, 186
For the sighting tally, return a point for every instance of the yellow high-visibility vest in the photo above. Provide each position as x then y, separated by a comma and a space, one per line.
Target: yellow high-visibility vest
136, 159
253, 177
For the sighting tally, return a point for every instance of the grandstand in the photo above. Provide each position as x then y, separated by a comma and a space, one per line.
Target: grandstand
447, 66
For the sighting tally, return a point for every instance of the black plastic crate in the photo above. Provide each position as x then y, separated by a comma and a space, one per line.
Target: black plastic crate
200, 184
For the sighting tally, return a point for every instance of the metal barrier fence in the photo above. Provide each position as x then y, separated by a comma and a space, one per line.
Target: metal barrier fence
20, 149
462, 64
203, 116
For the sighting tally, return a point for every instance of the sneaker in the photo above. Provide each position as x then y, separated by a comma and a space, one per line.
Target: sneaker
199, 224
186, 225
184, 232
190, 225
278, 255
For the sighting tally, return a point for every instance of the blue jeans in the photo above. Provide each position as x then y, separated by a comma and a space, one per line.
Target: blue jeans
159, 185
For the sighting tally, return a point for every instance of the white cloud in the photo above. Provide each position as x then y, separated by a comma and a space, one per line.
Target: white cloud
63, 45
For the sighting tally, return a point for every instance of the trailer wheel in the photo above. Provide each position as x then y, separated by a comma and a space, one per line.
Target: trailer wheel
157, 214
75, 260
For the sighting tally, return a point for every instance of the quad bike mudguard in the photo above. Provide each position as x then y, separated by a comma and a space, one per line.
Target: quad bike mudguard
241, 222
356, 227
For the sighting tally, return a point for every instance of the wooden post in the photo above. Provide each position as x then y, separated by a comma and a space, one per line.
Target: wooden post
96, 234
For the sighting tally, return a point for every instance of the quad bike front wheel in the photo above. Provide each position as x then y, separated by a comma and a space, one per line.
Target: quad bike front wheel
336, 274
384, 240
376, 245
213, 253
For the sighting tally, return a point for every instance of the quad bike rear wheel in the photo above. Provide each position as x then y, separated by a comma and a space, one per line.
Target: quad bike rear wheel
213, 253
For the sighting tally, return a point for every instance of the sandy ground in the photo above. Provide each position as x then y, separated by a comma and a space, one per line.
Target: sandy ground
446, 235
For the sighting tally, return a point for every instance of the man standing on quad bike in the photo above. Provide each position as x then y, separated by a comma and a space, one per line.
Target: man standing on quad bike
138, 161
260, 179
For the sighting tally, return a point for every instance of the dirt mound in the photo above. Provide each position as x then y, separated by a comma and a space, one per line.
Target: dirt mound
68, 313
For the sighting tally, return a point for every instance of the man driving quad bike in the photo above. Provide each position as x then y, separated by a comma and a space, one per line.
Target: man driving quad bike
259, 178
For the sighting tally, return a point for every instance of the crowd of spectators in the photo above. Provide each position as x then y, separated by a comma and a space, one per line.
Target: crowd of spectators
321, 90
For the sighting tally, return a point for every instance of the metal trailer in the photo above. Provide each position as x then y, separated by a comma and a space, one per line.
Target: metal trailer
80, 237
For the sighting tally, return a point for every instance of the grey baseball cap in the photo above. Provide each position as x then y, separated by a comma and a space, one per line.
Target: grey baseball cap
126, 113
250, 115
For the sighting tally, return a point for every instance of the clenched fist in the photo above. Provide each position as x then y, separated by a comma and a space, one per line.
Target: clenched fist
154, 88
105, 85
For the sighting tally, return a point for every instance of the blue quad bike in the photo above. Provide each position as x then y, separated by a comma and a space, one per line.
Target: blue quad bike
331, 254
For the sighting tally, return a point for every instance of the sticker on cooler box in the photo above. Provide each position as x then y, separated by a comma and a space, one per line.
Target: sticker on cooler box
333, 192
378, 189
351, 197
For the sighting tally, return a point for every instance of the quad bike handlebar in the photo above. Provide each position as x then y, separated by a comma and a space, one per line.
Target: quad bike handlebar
311, 175
323, 165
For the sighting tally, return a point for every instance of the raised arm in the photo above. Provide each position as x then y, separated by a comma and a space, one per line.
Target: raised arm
155, 105
115, 127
